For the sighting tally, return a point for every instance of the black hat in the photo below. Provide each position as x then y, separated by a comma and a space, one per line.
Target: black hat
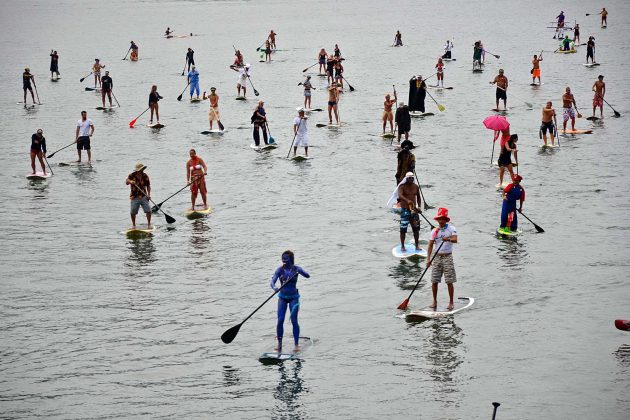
407, 144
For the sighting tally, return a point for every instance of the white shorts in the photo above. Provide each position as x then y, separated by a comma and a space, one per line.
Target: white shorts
301, 141
242, 81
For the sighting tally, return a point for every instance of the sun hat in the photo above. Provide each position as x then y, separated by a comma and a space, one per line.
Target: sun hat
442, 214
139, 167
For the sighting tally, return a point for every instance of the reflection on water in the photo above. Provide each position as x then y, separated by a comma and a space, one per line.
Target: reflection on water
200, 239
85, 173
287, 393
40, 187
512, 252
231, 376
406, 272
142, 252
442, 354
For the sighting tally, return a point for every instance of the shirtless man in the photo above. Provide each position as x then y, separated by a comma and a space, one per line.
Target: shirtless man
388, 115
410, 205
213, 112
96, 71
195, 171
272, 39
502, 84
238, 59
568, 102
604, 14
333, 98
536, 69
548, 123
599, 87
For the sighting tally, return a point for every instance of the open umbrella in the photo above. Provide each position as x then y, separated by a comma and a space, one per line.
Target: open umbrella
497, 123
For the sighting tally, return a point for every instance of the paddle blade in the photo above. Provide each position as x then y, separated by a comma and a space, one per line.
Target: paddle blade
539, 229
351, 88
271, 140
622, 324
221, 127
228, 336
320, 125
305, 69
132, 122
50, 155
403, 305
256, 92
169, 219
179, 98
617, 114
441, 108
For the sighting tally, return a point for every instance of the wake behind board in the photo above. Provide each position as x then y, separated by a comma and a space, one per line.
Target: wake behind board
576, 131
38, 176
214, 132
410, 251
510, 233
198, 212
271, 355
441, 311
421, 114
105, 108
140, 232
156, 125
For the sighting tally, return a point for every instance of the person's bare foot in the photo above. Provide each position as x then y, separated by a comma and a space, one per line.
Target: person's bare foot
33, 173
133, 227
433, 305
450, 306
78, 161
205, 207
402, 248
278, 348
296, 349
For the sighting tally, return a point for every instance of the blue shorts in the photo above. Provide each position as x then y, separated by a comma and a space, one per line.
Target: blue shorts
406, 217
137, 202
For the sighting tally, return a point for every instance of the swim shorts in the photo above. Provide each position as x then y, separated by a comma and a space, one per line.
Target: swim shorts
137, 202
332, 103
443, 265
598, 101
307, 93
213, 114
83, 143
548, 126
301, 141
501, 94
505, 159
406, 217
568, 114
536, 73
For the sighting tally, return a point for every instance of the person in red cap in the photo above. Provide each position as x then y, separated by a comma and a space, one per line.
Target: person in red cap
512, 193
444, 236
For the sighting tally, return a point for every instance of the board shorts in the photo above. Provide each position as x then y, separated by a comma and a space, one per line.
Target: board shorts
137, 202
504, 159
589, 52
25, 87
213, 114
242, 81
406, 217
97, 73
548, 126
568, 114
598, 101
301, 141
388, 115
307, 93
199, 185
536, 73
332, 103
501, 94
83, 143
443, 265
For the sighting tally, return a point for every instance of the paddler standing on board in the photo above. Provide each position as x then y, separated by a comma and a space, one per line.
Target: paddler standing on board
439, 66
448, 48
85, 130
560, 26
289, 296
27, 78
134, 51
502, 85
190, 58
195, 171
38, 148
388, 114
168, 32
213, 112
300, 132
477, 48
443, 236
590, 49
333, 99
107, 86
139, 194
535, 70
193, 79
398, 39
568, 102
403, 121
604, 14
548, 123
410, 205
307, 92
96, 71
511, 194
406, 161
241, 82
272, 40
238, 60
417, 94
54, 64
599, 87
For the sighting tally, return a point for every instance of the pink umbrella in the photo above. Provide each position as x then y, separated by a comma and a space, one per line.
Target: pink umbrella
497, 123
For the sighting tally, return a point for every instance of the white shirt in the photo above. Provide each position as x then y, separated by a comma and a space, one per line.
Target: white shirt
438, 233
84, 127
302, 129
242, 75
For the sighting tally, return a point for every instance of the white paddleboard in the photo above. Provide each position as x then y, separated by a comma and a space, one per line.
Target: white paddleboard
287, 352
410, 251
213, 132
460, 303
38, 176
591, 64
421, 114
138, 231
198, 212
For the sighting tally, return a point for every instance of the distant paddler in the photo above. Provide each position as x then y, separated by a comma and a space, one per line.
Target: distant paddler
568, 102
398, 39
190, 58
213, 112
308, 86
241, 83
590, 49
410, 205
599, 87
536, 69
321, 60
576, 34
477, 48
38, 149
406, 161
566, 44
54, 64
107, 86
448, 48
272, 40
403, 121
154, 98
267, 50
83, 134
259, 119
417, 94
193, 80
439, 66
195, 171
134, 51
559, 26
238, 60
96, 71
604, 14
388, 114
300, 132
502, 85
27, 79
549, 123
511, 194
140, 184
330, 68
168, 32
333, 99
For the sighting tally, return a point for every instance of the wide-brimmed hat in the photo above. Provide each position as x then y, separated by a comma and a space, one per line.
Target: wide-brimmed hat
407, 144
139, 167
442, 214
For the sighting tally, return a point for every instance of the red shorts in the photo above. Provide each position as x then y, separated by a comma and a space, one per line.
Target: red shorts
536, 73
198, 186
598, 101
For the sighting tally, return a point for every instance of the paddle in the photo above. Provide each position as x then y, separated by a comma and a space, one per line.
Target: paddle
51, 171
538, 228
425, 205
494, 413
156, 207
117, 103
36, 94
440, 107
555, 122
185, 63
349, 85
405, 302
133, 122
616, 113
261, 45
527, 104
496, 136
169, 219
127, 53
270, 139
494, 55
396, 124
310, 67
83, 78
229, 335
179, 98
578, 112
294, 136
425, 218
250, 82
64, 147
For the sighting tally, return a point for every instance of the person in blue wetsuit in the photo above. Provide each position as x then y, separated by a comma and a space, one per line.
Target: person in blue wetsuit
512, 193
193, 79
289, 296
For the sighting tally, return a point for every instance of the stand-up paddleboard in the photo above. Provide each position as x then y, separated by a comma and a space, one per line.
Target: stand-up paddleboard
548, 146
566, 52
287, 353
421, 114
313, 110
264, 146
240, 98
622, 324
449, 59
388, 135
409, 252
195, 100
299, 158
477, 71
54, 80
441, 87
593, 118
536, 84
591, 64
576, 131
213, 132
510, 234
139, 232
38, 176
91, 89
105, 108
75, 163
322, 75
441, 311
155, 125
500, 110
198, 212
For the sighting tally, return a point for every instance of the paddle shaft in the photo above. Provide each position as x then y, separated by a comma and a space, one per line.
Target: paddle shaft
51, 171
538, 228
440, 107
349, 85
83, 78
395, 123
127, 53
117, 103
617, 114
294, 136
179, 98
250, 82
64, 147
37, 94
316, 63
424, 202
157, 206
494, 412
169, 219
136, 119
424, 272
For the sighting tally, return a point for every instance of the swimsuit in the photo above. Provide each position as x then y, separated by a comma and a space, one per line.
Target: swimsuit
568, 113
548, 126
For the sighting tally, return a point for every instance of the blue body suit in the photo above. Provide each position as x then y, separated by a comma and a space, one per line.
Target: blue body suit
288, 296
513, 193
193, 76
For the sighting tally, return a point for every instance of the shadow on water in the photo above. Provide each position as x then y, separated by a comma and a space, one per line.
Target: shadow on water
512, 252
288, 392
406, 272
142, 252
231, 376
200, 239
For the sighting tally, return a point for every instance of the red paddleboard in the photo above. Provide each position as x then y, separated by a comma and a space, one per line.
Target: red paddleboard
622, 324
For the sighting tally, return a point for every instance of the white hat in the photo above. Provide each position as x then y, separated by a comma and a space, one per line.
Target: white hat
299, 109
247, 65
